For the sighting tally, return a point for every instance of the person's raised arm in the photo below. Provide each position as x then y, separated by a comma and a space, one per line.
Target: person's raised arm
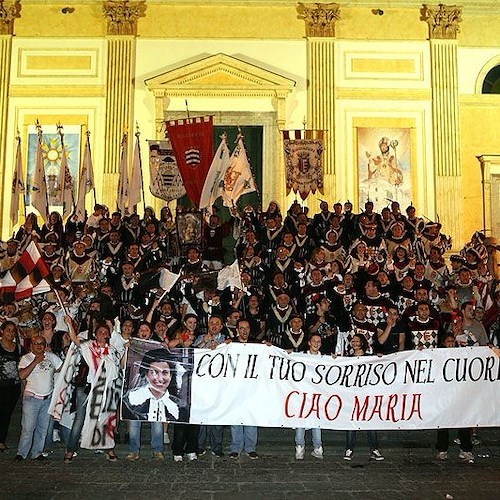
71, 330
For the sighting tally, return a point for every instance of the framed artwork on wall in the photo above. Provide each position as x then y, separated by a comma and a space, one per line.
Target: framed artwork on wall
384, 168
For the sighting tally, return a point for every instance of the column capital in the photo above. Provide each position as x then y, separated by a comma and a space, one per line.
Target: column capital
7, 15
122, 16
443, 20
320, 18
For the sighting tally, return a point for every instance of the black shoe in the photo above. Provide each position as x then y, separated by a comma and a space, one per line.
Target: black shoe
41, 458
18, 458
253, 455
234, 454
201, 452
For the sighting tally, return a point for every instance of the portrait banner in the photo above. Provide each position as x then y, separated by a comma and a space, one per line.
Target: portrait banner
192, 144
157, 385
384, 166
253, 384
165, 178
303, 151
189, 226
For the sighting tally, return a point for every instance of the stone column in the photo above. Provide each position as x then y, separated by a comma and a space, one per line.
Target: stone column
443, 24
320, 19
8, 13
121, 17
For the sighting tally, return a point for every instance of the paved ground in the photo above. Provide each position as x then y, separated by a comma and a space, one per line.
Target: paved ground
410, 471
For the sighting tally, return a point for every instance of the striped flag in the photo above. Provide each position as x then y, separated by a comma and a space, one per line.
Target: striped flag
136, 176
86, 183
18, 187
27, 276
39, 187
214, 183
123, 187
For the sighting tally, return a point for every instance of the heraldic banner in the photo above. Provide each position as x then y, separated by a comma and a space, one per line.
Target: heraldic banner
303, 151
164, 175
192, 144
255, 384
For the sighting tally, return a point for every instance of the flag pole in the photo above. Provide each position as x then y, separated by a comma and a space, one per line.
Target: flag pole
63, 151
137, 134
187, 109
87, 133
18, 138
44, 180
60, 302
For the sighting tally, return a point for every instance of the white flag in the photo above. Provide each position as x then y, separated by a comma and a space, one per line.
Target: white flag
229, 276
86, 183
214, 182
167, 279
123, 189
136, 176
238, 179
65, 181
17, 185
39, 186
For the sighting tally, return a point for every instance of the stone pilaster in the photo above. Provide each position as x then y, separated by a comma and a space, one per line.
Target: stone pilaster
320, 22
121, 17
443, 24
8, 13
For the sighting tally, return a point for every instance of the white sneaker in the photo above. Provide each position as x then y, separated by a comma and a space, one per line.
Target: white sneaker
55, 436
348, 455
466, 456
442, 455
456, 441
318, 453
192, 456
300, 452
177, 458
376, 455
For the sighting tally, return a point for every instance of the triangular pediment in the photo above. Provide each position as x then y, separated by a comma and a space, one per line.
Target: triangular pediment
220, 74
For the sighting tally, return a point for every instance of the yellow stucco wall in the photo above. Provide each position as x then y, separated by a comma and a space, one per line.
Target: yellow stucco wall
272, 36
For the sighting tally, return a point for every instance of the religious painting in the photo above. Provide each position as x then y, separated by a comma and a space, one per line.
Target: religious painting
384, 166
189, 226
52, 154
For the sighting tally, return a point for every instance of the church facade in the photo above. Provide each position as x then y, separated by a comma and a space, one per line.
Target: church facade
407, 95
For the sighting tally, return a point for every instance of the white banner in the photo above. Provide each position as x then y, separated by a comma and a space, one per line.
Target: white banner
252, 384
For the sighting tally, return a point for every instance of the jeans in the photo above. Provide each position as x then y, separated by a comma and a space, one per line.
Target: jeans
300, 437
76, 429
34, 425
134, 430
215, 434
8, 399
351, 440
243, 438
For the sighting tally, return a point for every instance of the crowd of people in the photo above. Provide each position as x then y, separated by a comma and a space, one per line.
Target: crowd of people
330, 283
